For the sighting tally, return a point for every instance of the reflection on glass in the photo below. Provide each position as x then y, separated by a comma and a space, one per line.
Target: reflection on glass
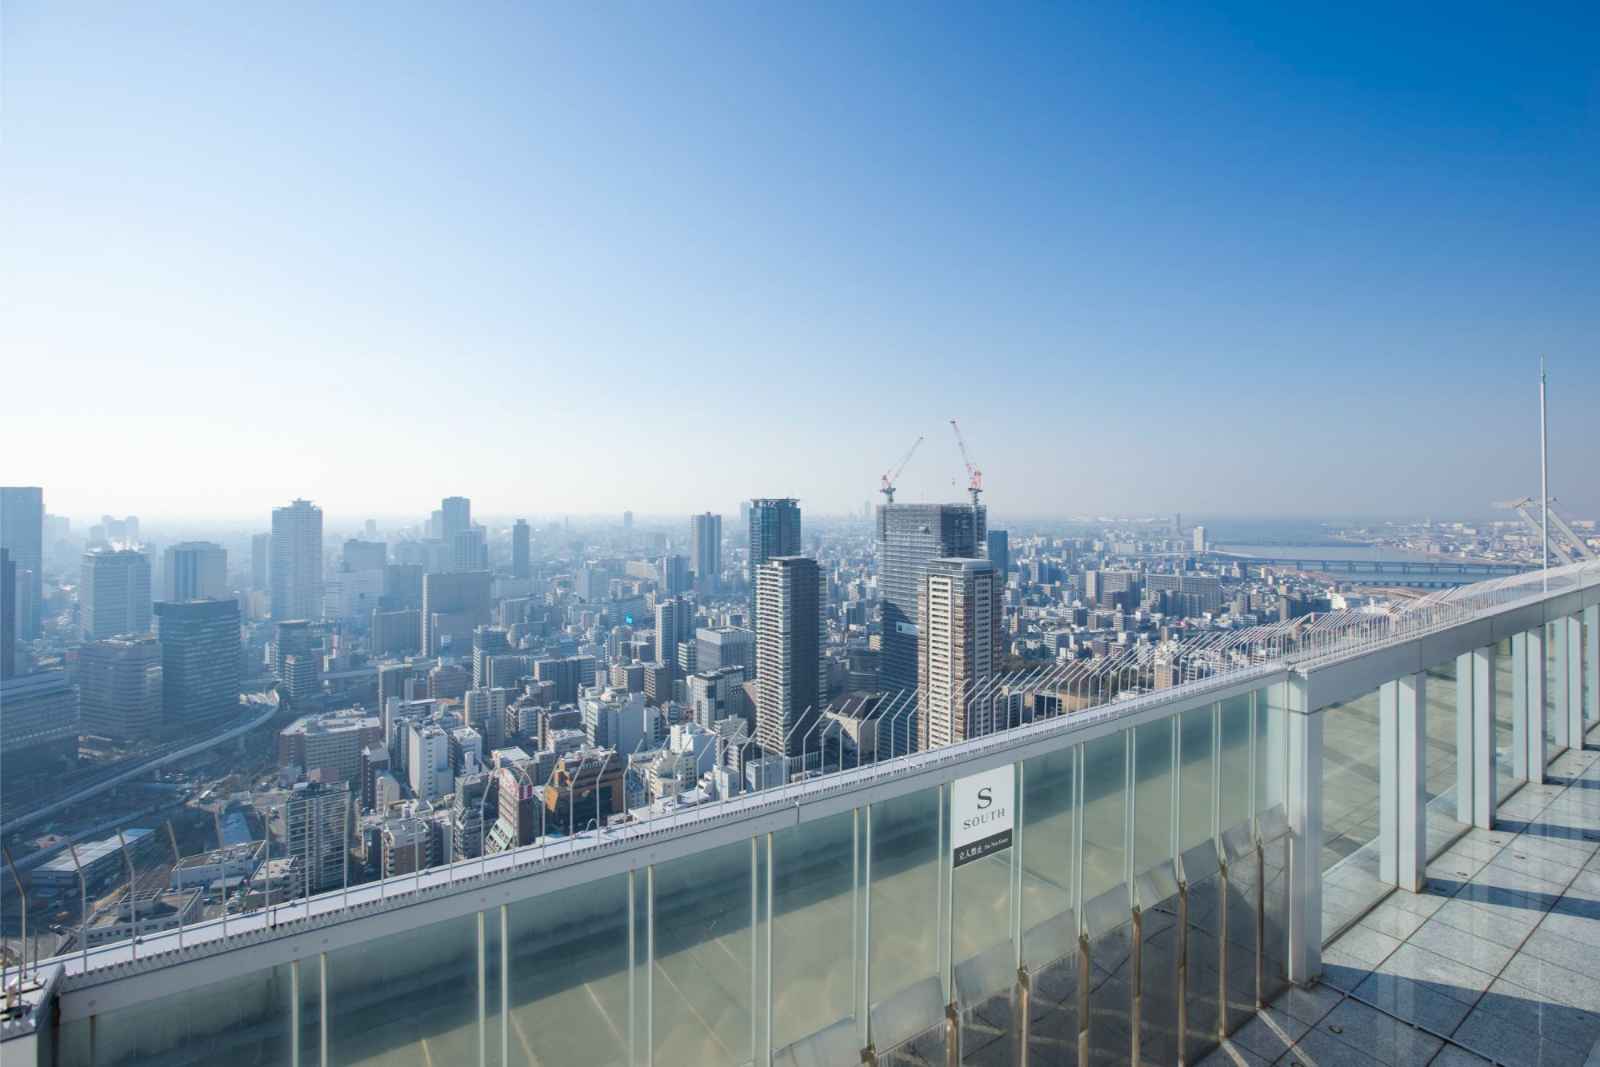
1104, 853
1198, 784
1153, 797
701, 996
412, 995
1440, 756
1236, 769
812, 941
569, 975
906, 989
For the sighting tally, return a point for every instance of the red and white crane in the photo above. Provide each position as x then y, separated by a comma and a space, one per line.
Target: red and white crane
974, 475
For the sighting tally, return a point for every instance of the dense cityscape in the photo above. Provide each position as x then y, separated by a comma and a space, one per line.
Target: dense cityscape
197, 728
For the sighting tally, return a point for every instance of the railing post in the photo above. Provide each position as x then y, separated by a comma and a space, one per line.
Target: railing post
1560, 702
1533, 700
1468, 744
1572, 645
1485, 784
1305, 829
1591, 663
1402, 829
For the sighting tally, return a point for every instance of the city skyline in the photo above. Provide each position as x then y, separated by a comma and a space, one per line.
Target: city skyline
1378, 231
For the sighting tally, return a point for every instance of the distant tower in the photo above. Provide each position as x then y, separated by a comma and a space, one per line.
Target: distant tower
194, 570
674, 623
455, 514
296, 561
627, 520
8, 615
774, 532
706, 551
1199, 538
199, 660
519, 549
22, 534
788, 651
958, 649
119, 688
999, 553
114, 593
260, 549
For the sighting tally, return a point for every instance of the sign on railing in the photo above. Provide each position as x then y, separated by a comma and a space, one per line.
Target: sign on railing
981, 814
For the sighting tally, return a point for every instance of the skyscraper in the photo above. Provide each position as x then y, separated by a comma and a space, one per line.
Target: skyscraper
199, 660
8, 614
999, 543
674, 623
316, 822
706, 551
774, 530
674, 575
296, 561
909, 535
194, 570
114, 593
1199, 538
788, 651
519, 550
452, 604
120, 688
22, 534
455, 512
958, 649
260, 548
468, 551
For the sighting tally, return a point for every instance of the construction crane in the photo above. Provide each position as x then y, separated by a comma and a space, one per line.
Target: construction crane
974, 475
1561, 550
892, 475
1579, 544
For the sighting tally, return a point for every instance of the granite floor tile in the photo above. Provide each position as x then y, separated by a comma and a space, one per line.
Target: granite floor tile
1556, 982
1560, 1023
1461, 946
1512, 1045
1447, 976
1379, 1036
1502, 925
1414, 1002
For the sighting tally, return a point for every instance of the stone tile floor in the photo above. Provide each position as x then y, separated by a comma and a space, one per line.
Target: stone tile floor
1497, 960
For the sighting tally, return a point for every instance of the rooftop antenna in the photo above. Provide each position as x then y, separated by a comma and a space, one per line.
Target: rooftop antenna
1544, 476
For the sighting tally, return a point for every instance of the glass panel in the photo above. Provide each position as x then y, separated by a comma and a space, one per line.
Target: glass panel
811, 931
701, 995
243, 1022
410, 996
1272, 755
1275, 947
1241, 902
1205, 967
1440, 756
1158, 1012
1350, 812
1111, 997
1552, 721
985, 967
1048, 922
569, 974
1198, 785
906, 992
1505, 762
1104, 853
1236, 772
1152, 797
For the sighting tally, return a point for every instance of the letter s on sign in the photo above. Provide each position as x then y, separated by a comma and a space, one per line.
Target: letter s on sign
985, 797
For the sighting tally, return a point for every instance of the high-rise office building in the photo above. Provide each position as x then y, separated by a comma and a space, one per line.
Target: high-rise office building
455, 515
789, 643
706, 551
260, 549
674, 623
468, 551
999, 551
316, 820
725, 646
520, 541
487, 642
1199, 538
364, 555
674, 576
194, 570
8, 615
114, 593
199, 660
39, 722
958, 649
909, 535
452, 604
296, 561
428, 761
119, 688
774, 530
22, 534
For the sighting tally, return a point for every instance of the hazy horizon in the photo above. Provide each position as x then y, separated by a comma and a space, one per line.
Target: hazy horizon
1266, 260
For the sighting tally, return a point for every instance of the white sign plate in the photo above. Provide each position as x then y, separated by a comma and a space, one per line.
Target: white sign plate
982, 814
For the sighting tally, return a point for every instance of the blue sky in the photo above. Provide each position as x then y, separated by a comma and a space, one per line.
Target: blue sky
1260, 259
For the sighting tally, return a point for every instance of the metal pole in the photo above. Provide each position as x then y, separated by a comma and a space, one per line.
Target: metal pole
133, 908
344, 832
22, 895
177, 864
83, 904
1544, 476
216, 817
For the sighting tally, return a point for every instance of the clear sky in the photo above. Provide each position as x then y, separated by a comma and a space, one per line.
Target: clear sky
578, 257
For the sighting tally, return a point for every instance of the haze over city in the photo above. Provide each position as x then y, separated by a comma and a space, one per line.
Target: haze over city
578, 262
751, 535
